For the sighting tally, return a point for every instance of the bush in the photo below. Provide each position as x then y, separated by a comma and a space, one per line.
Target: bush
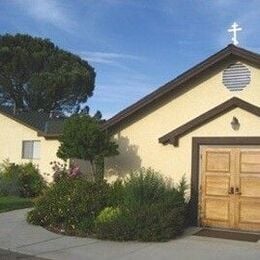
108, 214
144, 207
10, 184
21, 180
32, 182
116, 194
115, 224
59, 171
71, 205
152, 209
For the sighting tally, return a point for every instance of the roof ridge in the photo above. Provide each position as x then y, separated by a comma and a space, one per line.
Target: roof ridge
231, 49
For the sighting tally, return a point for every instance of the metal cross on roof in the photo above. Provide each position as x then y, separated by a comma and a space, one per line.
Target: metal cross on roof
234, 29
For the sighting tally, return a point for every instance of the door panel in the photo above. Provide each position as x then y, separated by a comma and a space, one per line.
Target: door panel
217, 185
250, 187
249, 212
217, 161
250, 162
217, 210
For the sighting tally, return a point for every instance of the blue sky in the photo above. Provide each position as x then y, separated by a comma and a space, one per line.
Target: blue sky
135, 46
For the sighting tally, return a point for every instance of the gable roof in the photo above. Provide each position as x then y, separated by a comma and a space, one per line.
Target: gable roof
173, 136
38, 121
178, 83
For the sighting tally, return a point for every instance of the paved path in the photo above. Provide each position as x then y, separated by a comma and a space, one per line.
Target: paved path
8, 255
16, 235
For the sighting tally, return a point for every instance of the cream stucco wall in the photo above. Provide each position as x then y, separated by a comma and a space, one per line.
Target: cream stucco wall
138, 141
13, 133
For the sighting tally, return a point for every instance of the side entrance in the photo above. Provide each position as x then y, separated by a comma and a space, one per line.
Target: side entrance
229, 187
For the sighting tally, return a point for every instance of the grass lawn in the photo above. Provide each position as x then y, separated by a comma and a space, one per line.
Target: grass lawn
11, 203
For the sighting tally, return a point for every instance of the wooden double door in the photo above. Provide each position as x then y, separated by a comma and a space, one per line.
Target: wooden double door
230, 187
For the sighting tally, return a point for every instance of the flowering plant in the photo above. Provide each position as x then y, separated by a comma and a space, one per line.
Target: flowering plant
74, 171
61, 171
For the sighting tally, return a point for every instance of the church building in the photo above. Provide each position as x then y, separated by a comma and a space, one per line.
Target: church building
205, 125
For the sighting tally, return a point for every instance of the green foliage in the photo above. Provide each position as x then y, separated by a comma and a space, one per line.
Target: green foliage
70, 204
35, 74
62, 172
32, 181
152, 209
11, 203
59, 171
116, 193
21, 180
10, 184
108, 214
115, 224
143, 187
83, 138
144, 207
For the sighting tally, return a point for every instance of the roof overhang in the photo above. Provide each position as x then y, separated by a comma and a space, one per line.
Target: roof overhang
49, 136
174, 136
40, 132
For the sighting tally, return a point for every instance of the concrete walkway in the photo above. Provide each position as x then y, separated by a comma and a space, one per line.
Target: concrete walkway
8, 255
16, 235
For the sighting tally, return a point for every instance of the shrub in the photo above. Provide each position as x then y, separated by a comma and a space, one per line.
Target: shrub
116, 193
115, 224
10, 184
108, 215
152, 209
21, 180
61, 172
144, 207
70, 204
32, 181
159, 222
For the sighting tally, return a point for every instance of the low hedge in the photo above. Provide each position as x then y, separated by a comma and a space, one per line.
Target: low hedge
9, 203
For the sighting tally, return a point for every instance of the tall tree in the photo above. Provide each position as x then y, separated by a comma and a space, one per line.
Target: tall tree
36, 74
83, 138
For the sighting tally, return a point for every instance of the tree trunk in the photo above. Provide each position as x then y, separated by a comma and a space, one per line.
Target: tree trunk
98, 168
93, 170
99, 165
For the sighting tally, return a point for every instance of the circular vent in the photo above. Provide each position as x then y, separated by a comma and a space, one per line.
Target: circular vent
236, 77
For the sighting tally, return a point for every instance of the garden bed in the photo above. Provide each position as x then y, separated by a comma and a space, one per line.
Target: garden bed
144, 207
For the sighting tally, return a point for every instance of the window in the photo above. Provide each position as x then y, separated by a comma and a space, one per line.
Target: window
31, 150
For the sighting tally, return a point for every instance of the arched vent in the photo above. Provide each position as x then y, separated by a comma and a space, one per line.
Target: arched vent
236, 77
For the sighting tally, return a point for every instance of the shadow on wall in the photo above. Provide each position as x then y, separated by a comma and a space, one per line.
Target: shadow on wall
117, 166
127, 160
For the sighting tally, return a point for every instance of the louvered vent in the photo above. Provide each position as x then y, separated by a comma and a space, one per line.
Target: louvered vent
236, 77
